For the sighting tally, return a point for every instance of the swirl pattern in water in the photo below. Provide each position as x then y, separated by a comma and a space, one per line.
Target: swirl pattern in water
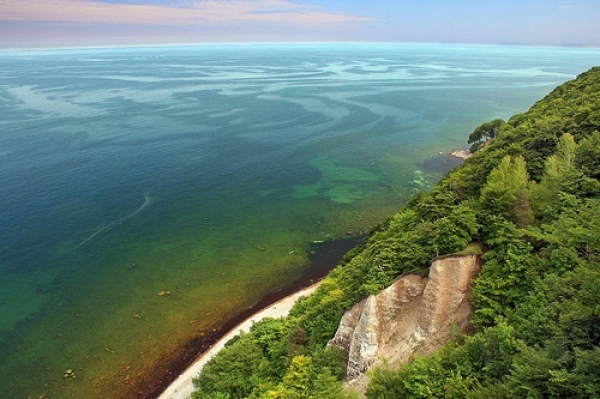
147, 195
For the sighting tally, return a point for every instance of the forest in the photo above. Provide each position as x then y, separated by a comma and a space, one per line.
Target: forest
529, 197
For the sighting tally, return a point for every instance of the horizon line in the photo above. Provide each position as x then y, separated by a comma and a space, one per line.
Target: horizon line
272, 43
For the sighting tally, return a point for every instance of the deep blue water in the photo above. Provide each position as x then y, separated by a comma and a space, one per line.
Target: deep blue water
179, 162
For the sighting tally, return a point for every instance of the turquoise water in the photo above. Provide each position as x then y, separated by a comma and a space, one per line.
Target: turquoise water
206, 171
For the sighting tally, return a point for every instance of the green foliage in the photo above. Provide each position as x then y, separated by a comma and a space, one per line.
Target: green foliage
510, 270
564, 361
311, 377
484, 132
454, 232
506, 192
588, 156
229, 373
530, 199
561, 176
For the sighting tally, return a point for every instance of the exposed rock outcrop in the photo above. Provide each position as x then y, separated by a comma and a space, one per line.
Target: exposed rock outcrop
411, 316
462, 154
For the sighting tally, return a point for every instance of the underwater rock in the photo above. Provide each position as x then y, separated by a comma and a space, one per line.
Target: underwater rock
69, 374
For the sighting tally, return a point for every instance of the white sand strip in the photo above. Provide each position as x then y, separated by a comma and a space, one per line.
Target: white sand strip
182, 387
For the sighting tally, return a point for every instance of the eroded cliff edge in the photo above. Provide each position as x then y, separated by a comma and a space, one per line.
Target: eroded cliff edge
412, 316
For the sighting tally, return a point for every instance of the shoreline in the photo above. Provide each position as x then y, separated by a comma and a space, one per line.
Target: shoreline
182, 387
323, 257
462, 154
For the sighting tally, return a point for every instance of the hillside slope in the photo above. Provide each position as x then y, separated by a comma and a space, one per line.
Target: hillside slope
530, 199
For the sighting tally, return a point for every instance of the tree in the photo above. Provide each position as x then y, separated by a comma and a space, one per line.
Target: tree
588, 156
230, 371
310, 377
484, 132
506, 192
454, 232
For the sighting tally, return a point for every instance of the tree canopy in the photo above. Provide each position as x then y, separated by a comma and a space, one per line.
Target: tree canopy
484, 132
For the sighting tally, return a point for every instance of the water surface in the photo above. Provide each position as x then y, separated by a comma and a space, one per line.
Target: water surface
147, 195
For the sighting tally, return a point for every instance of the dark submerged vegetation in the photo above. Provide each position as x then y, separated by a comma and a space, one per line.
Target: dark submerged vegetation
530, 199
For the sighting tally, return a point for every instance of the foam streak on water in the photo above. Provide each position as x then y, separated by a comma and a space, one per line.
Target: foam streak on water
118, 221
250, 153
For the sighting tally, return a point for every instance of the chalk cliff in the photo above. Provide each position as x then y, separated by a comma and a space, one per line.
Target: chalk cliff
411, 316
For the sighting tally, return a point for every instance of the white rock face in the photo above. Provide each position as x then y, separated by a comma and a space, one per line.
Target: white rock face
411, 316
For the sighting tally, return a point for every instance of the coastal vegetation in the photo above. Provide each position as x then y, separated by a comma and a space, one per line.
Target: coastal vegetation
529, 199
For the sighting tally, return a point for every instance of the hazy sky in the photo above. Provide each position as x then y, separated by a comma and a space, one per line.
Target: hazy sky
43, 23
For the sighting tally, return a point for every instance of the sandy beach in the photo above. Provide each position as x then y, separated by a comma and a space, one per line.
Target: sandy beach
182, 387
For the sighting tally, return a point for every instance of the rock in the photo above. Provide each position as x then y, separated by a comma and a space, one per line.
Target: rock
412, 316
362, 329
448, 284
69, 374
462, 154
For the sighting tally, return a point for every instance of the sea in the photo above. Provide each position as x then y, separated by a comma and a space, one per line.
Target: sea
150, 194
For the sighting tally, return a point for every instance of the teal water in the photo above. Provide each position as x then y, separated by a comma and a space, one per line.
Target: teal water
206, 171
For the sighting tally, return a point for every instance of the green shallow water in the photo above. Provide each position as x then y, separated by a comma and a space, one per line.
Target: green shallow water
205, 172
115, 330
